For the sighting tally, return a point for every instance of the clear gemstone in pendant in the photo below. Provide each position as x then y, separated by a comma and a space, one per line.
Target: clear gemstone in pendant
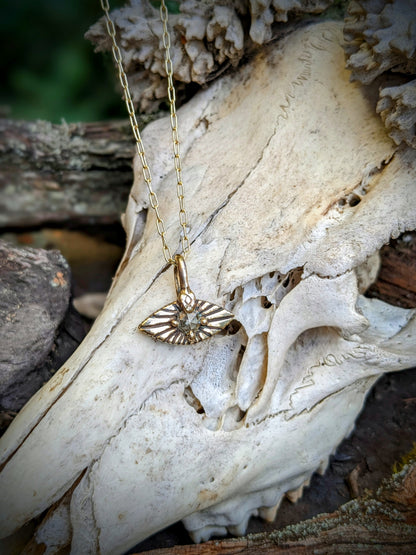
189, 322
172, 324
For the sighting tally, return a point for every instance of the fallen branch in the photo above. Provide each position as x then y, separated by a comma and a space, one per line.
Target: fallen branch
78, 173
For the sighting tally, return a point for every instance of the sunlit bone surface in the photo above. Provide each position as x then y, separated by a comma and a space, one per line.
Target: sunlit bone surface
292, 188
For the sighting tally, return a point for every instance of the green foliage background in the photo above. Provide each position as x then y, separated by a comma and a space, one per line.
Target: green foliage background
50, 70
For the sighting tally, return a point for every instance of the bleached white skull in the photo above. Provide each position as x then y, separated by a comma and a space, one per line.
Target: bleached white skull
292, 187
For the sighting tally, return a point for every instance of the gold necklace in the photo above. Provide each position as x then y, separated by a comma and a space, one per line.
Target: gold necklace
187, 320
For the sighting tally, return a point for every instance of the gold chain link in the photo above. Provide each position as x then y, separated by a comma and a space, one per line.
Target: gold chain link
153, 200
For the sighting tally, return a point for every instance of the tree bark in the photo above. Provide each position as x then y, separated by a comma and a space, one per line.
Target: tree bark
396, 281
78, 173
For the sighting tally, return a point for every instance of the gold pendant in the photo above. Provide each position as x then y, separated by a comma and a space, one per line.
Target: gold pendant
187, 320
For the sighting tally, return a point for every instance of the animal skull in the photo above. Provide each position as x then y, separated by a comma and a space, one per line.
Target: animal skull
292, 188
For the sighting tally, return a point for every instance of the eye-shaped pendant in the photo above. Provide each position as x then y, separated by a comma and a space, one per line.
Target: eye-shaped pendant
187, 320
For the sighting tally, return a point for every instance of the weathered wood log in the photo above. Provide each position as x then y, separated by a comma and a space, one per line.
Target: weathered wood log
381, 523
396, 282
77, 173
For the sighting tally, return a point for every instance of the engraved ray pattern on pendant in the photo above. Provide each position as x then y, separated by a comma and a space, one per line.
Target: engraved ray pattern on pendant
171, 324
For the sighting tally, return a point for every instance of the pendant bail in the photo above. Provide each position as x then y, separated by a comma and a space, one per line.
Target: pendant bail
186, 297
187, 320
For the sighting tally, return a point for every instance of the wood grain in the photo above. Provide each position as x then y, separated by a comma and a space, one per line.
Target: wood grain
396, 282
78, 173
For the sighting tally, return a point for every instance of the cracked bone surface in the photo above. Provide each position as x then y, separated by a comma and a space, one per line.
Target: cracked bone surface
292, 187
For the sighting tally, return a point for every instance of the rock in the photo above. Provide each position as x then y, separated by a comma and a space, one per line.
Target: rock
37, 333
90, 304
